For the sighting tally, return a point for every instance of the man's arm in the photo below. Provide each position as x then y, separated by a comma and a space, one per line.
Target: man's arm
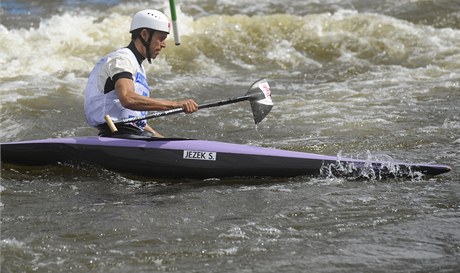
124, 89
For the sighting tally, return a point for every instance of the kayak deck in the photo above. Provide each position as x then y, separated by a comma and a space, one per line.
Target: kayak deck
199, 159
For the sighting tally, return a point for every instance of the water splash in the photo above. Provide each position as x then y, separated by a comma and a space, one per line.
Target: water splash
372, 168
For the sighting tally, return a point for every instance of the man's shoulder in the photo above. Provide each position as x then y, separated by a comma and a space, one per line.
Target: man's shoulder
122, 59
122, 53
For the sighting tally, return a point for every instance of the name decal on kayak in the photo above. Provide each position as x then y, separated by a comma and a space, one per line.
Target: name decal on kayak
200, 155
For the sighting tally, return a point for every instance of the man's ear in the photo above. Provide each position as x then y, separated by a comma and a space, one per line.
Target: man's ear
145, 34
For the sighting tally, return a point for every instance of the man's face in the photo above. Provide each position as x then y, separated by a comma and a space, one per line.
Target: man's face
158, 43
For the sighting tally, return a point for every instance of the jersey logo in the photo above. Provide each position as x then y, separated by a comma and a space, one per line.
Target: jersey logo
142, 80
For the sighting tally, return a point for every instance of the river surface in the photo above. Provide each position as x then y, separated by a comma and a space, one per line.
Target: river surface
358, 78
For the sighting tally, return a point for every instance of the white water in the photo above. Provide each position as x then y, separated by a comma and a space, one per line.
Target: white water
355, 78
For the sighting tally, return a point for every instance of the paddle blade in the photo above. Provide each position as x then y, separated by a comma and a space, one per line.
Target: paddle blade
261, 100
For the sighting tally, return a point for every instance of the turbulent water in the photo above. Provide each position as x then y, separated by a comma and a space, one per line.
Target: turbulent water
359, 78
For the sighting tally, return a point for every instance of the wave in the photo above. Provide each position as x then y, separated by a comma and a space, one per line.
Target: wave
72, 43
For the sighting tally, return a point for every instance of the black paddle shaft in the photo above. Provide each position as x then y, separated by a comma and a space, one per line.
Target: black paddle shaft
180, 110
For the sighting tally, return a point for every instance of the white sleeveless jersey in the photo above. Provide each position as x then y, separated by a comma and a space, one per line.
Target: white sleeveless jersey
98, 104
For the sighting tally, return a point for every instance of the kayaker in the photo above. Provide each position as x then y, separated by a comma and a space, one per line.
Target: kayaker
118, 85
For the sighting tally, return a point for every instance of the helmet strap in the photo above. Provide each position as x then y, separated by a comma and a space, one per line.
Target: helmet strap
147, 45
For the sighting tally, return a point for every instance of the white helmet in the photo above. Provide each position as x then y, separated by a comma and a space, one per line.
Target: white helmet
152, 19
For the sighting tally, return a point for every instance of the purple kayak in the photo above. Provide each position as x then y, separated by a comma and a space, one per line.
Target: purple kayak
199, 159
